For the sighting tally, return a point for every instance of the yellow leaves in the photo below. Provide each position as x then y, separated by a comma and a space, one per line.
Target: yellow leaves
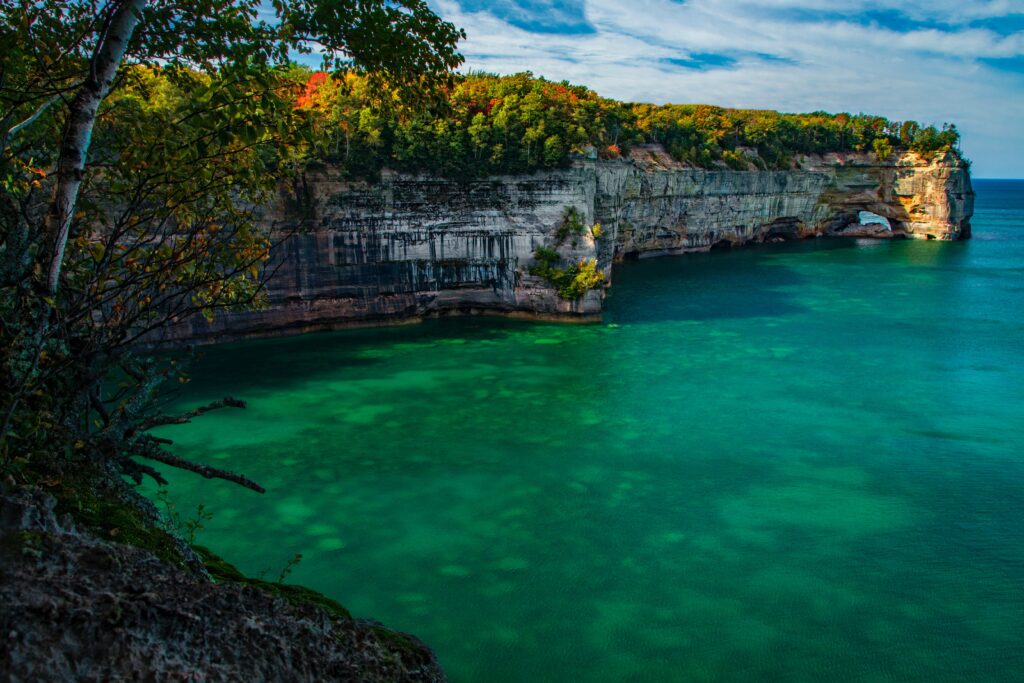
97, 250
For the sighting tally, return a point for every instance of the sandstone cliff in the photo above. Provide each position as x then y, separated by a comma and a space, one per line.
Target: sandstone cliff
409, 247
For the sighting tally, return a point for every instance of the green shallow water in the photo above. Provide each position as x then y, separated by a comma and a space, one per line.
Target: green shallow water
798, 463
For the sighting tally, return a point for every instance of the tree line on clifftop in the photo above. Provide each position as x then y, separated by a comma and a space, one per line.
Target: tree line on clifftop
492, 124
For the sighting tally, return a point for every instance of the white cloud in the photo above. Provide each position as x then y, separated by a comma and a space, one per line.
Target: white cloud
932, 74
948, 11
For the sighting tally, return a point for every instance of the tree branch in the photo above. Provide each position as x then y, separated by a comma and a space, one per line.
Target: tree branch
27, 122
155, 453
161, 420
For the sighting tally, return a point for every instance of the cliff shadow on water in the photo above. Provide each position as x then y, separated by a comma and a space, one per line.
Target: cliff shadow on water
757, 281
692, 287
288, 362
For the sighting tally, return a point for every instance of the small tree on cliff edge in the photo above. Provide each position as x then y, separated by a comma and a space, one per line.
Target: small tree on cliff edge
883, 148
137, 138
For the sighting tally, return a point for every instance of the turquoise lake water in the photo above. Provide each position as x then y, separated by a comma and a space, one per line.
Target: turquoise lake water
790, 463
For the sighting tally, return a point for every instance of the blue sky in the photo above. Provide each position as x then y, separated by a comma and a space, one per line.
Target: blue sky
931, 60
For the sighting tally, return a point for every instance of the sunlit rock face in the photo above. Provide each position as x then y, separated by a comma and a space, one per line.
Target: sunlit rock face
922, 199
652, 205
409, 247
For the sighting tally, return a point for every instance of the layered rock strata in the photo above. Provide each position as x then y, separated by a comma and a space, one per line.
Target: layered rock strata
410, 247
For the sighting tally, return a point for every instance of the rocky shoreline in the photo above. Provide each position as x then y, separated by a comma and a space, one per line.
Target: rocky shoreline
79, 605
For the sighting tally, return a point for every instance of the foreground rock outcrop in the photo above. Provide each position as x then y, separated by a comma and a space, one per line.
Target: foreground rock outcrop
78, 607
413, 246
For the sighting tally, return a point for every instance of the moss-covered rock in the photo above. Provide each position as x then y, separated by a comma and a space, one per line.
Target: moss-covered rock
108, 514
298, 596
95, 587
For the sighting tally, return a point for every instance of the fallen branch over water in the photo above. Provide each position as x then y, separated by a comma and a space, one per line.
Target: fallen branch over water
166, 458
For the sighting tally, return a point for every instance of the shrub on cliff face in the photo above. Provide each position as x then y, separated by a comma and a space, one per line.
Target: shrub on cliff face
582, 277
572, 281
571, 225
576, 279
136, 136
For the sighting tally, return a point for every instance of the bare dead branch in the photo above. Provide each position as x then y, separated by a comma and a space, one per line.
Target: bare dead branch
161, 420
206, 471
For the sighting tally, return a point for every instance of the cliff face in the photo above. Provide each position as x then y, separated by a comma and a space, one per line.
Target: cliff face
655, 206
409, 247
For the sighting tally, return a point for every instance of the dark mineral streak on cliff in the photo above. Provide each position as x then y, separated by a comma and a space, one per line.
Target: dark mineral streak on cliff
77, 607
412, 247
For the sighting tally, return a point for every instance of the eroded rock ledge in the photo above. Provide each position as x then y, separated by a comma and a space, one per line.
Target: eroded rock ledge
413, 247
78, 607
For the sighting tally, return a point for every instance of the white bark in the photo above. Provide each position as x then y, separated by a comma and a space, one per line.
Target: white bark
81, 120
7, 135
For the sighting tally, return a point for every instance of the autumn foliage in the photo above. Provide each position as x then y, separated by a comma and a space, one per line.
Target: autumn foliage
513, 124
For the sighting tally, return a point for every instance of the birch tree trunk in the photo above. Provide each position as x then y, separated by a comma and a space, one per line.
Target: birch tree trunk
74, 148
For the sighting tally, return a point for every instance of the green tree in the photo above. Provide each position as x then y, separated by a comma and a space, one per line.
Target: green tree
513, 124
137, 139
883, 148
